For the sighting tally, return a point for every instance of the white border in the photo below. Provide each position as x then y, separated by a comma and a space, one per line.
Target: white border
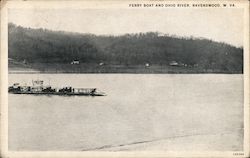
5, 5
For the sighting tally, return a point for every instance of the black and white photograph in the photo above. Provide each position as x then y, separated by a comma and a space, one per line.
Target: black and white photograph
126, 77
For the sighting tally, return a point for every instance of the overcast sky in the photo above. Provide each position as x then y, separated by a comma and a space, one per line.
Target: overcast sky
224, 25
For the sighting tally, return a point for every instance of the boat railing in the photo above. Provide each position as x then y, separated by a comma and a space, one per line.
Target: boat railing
84, 90
48, 89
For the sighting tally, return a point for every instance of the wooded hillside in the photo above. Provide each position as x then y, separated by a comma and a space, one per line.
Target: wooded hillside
49, 47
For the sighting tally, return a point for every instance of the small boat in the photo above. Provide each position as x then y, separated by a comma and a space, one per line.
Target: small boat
38, 89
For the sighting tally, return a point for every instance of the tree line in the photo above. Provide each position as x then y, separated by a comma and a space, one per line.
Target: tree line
46, 46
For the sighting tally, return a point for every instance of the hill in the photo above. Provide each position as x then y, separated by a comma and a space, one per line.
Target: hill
150, 52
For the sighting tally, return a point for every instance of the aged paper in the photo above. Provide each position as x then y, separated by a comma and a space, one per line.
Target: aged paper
125, 78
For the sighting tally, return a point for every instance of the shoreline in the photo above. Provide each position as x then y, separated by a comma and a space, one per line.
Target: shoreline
123, 70
37, 72
210, 141
113, 68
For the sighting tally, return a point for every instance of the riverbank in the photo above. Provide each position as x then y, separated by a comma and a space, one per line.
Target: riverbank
200, 142
110, 68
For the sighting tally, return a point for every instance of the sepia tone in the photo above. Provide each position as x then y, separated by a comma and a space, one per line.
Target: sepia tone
153, 77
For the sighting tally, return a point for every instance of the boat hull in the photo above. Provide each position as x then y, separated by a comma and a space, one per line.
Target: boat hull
60, 93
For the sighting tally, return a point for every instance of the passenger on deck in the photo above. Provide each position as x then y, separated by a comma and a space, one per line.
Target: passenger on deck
93, 91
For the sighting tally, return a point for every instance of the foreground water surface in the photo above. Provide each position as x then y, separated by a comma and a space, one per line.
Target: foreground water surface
138, 108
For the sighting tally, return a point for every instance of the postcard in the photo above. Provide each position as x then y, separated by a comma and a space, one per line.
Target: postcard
150, 78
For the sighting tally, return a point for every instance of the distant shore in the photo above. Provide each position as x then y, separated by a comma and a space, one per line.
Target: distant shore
110, 68
47, 51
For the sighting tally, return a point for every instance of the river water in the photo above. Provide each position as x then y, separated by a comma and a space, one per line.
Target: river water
137, 108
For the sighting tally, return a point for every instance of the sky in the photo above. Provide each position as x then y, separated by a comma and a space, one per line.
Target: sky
223, 25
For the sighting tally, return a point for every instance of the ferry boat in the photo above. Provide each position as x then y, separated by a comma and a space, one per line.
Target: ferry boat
37, 88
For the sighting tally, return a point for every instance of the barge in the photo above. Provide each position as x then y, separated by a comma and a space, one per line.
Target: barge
37, 88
